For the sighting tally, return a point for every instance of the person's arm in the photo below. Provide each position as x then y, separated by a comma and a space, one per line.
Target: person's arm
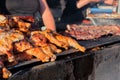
47, 16
82, 3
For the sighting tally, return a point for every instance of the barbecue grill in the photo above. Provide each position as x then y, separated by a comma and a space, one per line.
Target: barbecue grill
72, 55
89, 62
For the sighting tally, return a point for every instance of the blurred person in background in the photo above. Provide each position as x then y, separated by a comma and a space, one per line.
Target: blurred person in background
75, 10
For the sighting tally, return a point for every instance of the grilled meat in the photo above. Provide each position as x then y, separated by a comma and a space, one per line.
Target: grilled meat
29, 19
3, 21
69, 42
38, 53
54, 48
6, 43
6, 73
73, 43
43, 45
20, 23
15, 35
38, 39
50, 36
6, 48
62, 41
47, 50
22, 45
91, 32
24, 26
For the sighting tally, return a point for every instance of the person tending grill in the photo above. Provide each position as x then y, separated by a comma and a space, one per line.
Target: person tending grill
75, 10
28, 8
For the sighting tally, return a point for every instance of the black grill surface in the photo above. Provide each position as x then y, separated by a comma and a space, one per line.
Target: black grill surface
107, 40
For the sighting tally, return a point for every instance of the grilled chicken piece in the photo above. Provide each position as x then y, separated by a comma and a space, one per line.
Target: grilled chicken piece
62, 39
6, 73
24, 18
22, 45
6, 43
38, 53
50, 36
69, 42
24, 26
21, 24
3, 21
54, 48
73, 43
6, 48
15, 35
47, 50
38, 39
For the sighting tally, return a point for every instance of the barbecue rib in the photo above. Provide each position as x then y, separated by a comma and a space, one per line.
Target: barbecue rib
91, 32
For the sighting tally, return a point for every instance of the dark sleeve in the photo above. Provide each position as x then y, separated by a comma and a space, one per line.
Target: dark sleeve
3, 9
70, 8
